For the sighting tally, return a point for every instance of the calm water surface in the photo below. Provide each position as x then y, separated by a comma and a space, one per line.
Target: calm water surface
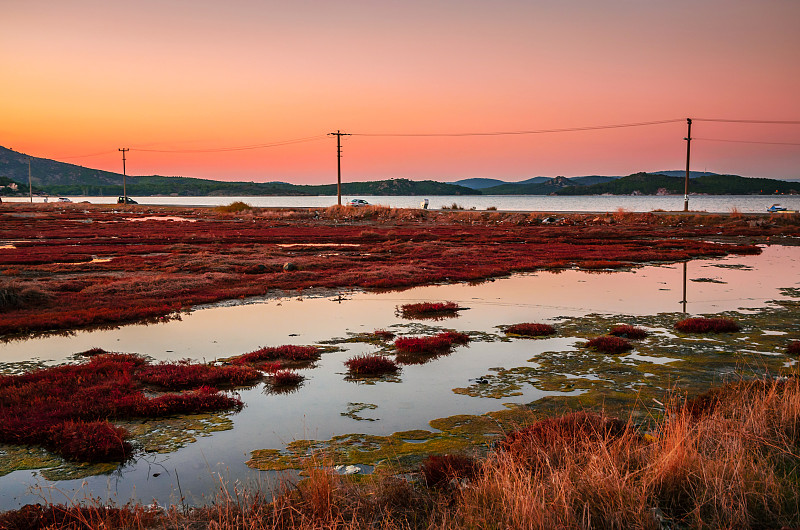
420, 394
535, 203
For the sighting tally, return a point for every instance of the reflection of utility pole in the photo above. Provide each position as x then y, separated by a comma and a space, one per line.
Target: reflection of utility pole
30, 185
124, 190
338, 134
686, 183
683, 302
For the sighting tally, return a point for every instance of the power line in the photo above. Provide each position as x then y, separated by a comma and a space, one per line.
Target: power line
774, 122
745, 141
537, 131
84, 156
239, 148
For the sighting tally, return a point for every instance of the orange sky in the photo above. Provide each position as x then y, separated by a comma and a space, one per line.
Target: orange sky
84, 77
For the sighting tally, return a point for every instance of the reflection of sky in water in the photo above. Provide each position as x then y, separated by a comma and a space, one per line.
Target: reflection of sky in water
424, 391
223, 331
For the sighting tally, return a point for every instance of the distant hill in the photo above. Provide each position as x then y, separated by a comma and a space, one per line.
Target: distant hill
655, 183
682, 173
59, 178
478, 183
526, 187
543, 185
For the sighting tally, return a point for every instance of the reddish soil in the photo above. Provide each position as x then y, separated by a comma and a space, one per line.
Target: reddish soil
76, 265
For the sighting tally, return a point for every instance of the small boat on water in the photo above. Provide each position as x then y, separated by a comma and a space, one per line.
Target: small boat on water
776, 208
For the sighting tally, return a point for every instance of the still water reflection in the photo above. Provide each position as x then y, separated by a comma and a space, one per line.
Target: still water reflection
421, 393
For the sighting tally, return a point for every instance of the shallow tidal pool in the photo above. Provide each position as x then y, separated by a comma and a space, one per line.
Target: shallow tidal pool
460, 401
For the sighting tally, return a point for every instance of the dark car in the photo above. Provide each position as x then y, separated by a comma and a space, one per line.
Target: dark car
125, 200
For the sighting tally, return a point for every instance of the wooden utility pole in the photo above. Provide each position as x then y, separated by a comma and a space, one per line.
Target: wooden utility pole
688, 150
30, 185
338, 134
124, 189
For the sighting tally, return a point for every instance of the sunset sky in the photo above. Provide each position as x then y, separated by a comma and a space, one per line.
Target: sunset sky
86, 77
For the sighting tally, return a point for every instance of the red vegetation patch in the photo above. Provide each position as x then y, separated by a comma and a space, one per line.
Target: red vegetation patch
609, 344
33, 516
793, 348
382, 334
441, 470
434, 344
707, 325
181, 375
286, 378
67, 408
730, 393
530, 330
371, 365
91, 352
91, 441
275, 353
549, 438
629, 332
434, 310
50, 280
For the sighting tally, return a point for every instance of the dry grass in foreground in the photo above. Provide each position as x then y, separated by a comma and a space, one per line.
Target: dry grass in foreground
726, 460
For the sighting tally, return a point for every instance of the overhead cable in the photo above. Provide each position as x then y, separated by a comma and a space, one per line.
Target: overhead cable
745, 141
239, 148
537, 131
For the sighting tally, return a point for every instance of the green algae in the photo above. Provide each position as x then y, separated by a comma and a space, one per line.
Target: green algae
399, 451
50, 466
21, 367
408, 328
353, 410
19, 457
165, 435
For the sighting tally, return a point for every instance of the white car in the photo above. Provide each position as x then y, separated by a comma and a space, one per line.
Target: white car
63, 199
357, 202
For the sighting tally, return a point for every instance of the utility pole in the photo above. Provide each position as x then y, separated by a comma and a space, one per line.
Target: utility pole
124, 190
30, 185
338, 134
688, 150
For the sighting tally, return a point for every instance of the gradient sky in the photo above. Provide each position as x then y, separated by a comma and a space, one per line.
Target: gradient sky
82, 77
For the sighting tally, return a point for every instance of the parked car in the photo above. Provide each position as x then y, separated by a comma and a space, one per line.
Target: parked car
63, 199
125, 200
357, 202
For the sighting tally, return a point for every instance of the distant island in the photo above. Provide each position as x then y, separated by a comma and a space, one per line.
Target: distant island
50, 177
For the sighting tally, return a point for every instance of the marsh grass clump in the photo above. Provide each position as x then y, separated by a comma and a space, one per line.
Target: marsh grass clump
286, 378
91, 352
530, 330
628, 332
383, 335
279, 353
183, 374
371, 365
17, 295
434, 344
707, 325
442, 471
433, 310
609, 344
234, 207
549, 439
